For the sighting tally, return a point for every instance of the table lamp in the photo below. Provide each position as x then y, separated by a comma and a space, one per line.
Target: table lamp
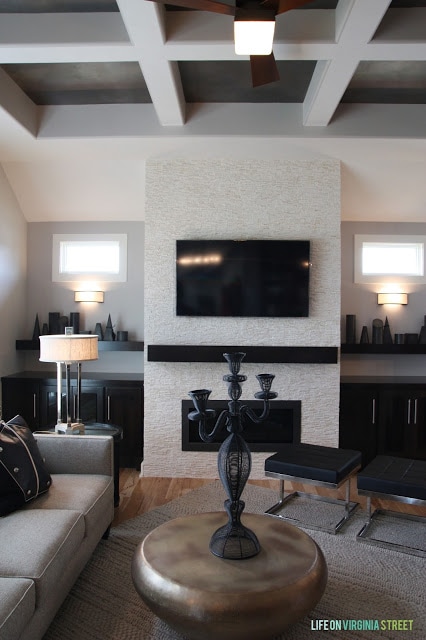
68, 349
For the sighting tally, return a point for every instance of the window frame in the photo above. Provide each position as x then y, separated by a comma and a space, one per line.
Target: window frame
391, 278
61, 276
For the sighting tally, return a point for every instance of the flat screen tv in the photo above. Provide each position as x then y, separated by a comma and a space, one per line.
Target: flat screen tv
261, 278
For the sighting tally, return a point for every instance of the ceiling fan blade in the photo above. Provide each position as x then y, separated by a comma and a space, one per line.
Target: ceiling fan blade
288, 5
201, 5
263, 70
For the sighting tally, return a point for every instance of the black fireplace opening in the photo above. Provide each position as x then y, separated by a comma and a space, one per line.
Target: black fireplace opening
283, 426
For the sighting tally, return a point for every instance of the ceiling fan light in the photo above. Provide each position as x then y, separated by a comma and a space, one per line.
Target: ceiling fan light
254, 38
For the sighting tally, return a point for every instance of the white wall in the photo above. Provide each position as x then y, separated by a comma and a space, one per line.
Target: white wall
238, 199
361, 300
13, 262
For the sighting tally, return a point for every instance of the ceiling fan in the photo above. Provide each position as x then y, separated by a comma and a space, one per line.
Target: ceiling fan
254, 24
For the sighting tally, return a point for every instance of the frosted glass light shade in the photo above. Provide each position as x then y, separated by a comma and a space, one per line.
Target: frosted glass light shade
88, 296
73, 348
392, 298
253, 37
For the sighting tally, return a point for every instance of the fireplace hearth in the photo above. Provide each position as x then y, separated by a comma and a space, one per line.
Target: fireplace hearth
283, 426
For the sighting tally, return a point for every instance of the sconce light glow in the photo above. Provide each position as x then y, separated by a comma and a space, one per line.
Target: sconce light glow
392, 298
88, 296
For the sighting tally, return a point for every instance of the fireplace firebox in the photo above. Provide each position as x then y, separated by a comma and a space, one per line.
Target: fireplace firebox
283, 426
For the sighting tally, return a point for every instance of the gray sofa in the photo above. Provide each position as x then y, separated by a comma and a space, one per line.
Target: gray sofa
46, 544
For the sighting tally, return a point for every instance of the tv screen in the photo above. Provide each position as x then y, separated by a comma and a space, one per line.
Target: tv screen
263, 278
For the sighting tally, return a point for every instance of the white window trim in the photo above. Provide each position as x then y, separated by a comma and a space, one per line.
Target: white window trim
392, 278
58, 276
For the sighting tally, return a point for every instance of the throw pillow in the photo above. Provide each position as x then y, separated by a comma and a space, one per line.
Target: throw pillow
23, 474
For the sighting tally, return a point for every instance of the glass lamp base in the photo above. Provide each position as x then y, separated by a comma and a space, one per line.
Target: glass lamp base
74, 427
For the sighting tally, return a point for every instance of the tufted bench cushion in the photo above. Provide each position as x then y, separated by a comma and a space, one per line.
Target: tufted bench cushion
402, 477
314, 462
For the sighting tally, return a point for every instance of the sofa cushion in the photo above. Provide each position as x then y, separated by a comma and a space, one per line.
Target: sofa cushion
17, 605
23, 474
89, 494
40, 544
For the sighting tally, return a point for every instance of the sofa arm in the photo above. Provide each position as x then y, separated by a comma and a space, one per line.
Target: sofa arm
77, 453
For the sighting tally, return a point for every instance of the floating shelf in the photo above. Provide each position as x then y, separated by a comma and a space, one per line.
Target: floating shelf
407, 349
103, 345
201, 353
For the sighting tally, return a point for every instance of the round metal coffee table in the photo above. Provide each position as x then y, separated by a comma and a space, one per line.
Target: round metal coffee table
205, 597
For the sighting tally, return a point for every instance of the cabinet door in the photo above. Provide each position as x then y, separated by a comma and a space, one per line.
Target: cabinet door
358, 419
124, 407
91, 403
21, 397
403, 422
91, 406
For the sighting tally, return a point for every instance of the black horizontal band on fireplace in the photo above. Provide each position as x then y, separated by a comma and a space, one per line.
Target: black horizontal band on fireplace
283, 426
270, 354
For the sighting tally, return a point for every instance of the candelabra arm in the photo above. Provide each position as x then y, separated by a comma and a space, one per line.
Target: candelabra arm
220, 424
248, 411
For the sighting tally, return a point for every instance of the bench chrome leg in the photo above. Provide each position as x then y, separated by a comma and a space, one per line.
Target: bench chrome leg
348, 506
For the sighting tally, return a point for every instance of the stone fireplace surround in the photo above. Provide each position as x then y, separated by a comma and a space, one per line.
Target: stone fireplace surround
219, 198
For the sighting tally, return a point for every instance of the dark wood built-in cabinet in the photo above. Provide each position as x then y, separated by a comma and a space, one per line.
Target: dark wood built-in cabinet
117, 400
383, 416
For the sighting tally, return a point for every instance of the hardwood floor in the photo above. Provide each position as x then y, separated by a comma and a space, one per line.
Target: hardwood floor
139, 495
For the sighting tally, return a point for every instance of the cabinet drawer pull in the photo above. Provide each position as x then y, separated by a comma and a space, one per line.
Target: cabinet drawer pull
373, 411
109, 408
415, 411
34, 405
409, 411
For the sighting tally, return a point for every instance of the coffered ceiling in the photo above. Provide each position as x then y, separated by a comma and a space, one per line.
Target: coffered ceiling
89, 89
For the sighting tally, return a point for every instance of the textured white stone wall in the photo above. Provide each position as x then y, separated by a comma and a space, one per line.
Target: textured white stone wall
228, 199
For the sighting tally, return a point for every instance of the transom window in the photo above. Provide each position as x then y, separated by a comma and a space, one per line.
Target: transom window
89, 256
400, 259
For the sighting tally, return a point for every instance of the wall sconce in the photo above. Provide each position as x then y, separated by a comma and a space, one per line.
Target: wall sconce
88, 296
392, 298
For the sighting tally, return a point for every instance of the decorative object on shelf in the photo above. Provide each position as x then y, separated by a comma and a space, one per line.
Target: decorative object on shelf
377, 331
54, 322
36, 330
233, 541
122, 336
88, 296
45, 329
350, 329
63, 322
411, 338
75, 321
109, 332
364, 336
392, 298
98, 331
387, 336
399, 338
422, 334
68, 350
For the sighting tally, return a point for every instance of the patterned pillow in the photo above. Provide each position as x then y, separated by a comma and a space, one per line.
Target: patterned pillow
23, 474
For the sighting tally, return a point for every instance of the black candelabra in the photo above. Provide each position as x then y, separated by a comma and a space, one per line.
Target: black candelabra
233, 541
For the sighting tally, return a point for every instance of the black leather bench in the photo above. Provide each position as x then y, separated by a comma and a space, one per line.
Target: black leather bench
314, 464
399, 479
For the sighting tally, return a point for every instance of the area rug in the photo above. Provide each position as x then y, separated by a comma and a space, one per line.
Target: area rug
371, 592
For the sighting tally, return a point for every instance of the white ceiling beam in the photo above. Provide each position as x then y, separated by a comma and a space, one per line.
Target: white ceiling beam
356, 23
14, 102
54, 28
145, 25
134, 122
